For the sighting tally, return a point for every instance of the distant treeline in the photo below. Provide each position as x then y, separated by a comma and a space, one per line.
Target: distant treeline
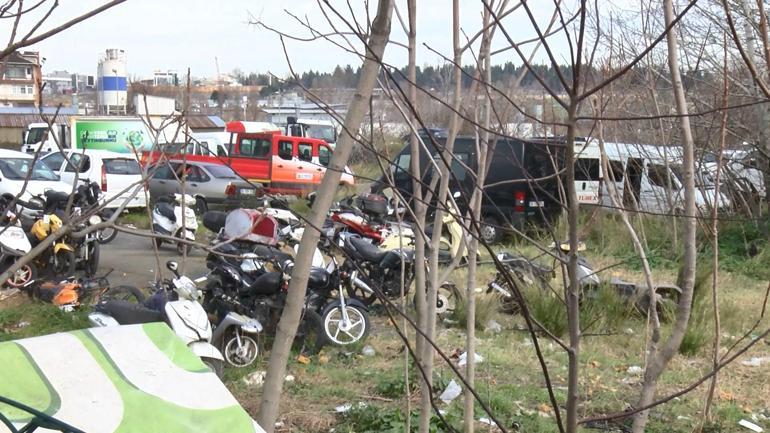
439, 77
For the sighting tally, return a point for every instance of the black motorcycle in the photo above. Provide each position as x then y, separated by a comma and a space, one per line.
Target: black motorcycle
252, 279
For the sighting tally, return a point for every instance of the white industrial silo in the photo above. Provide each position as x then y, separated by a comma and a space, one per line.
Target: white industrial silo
112, 82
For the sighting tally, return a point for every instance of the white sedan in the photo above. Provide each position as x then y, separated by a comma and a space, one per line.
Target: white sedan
15, 168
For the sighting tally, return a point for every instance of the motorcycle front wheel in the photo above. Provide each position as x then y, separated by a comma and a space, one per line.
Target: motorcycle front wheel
341, 332
64, 263
242, 355
92, 264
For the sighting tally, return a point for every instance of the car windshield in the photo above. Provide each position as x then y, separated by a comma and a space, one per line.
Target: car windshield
221, 172
321, 132
18, 168
35, 135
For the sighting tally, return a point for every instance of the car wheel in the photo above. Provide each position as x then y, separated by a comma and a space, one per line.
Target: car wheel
491, 232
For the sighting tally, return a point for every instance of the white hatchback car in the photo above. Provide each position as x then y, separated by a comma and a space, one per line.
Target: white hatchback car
14, 169
117, 174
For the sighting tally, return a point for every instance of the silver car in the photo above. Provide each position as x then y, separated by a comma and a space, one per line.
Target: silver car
213, 185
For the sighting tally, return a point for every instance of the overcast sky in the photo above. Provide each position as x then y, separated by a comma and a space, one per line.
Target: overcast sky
176, 34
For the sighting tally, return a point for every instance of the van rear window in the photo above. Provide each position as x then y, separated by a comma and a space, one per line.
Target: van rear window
122, 166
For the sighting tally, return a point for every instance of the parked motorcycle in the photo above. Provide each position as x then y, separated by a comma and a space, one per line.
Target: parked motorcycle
74, 292
174, 302
169, 218
371, 268
256, 286
14, 244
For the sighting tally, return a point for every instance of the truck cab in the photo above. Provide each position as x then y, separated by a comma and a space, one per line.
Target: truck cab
38, 135
312, 128
284, 164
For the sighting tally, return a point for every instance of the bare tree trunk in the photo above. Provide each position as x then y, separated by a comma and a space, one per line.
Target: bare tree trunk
715, 243
475, 215
658, 358
441, 200
287, 326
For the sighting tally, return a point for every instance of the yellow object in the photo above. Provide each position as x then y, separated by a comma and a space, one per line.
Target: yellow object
62, 246
45, 226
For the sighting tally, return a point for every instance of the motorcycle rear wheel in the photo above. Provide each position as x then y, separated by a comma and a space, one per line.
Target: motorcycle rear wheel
107, 235
22, 276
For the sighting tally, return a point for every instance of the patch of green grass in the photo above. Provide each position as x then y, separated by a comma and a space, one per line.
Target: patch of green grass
138, 219
486, 307
548, 309
36, 318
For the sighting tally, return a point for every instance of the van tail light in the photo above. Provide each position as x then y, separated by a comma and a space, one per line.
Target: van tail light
519, 198
230, 189
104, 178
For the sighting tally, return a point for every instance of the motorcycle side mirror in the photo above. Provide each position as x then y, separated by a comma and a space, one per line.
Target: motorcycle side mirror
173, 267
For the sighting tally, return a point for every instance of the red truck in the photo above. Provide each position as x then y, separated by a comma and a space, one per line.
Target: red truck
282, 164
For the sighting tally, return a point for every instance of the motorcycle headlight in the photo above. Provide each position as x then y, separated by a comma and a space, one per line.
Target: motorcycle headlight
94, 220
186, 288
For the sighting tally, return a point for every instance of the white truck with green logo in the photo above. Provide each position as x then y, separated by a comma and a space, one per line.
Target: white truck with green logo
116, 134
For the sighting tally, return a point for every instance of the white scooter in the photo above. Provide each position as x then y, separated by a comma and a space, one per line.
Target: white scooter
13, 245
167, 220
183, 313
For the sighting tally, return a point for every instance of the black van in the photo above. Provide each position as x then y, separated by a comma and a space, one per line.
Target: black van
521, 186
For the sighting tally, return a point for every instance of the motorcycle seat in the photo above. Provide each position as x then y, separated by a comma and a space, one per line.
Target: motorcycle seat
214, 220
266, 284
166, 210
367, 250
130, 313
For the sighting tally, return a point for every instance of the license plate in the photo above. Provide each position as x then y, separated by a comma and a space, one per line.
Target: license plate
536, 204
305, 176
246, 191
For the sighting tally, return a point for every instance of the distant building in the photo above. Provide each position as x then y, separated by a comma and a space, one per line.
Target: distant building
167, 78
279, 115
58, 83
20, 79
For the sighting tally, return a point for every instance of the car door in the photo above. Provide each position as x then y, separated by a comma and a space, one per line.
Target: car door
197, 181
305, 168
655, 192
284, 164
78, 166
162, 181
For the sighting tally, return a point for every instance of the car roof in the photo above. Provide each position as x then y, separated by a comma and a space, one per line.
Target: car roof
7, 153
103, 153
203, 163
